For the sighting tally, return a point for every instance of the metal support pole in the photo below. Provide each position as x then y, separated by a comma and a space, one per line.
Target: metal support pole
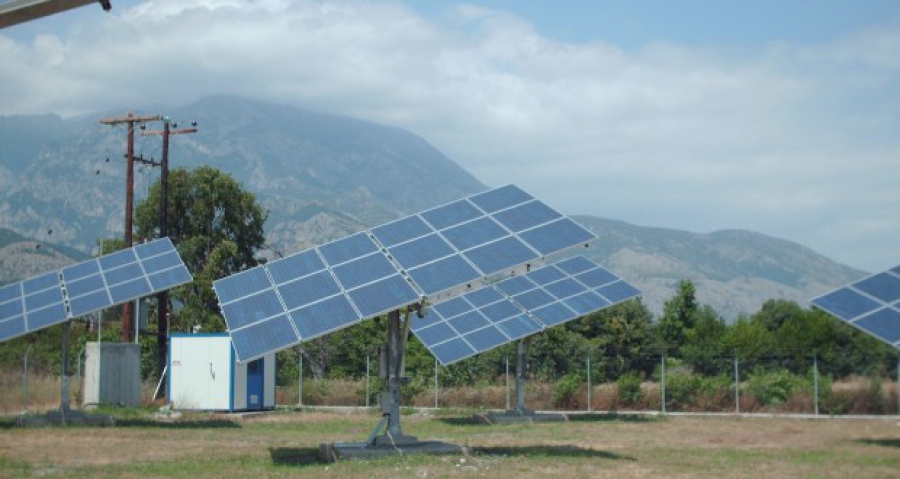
737, 387
393, 410
520, 378
898, 383
367, 381
435, 383
816, 384
663, 385
589, 404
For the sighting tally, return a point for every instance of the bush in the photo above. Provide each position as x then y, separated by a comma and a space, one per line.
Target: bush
568, 390
629, 385
771, 388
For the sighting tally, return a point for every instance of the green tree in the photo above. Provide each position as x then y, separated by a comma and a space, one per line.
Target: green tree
217, 228
704, 346
679, 316
620, 339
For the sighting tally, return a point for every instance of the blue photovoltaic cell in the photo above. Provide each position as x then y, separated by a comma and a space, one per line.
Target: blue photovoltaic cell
261, 338
443, 274
846, 304
483, 296
451, 214
556, 236
618, 291
153, 248
451, 351
534, 299
119, 258
500, 255
870, 304
474, 233
252, 309
40, 283
124, 273
11, 309
324, 316
527, 216
500, 310
44, 317
436, 333
565, 288
486, 338
170, 278
345, 249
883, 286
518, 327
12, 327
295, 266
10, 292
452, 307
400, 231
576, 264
364, 270
80, 270
421, 250
308, 290
242, 284
84, 286
554, 314
383, 296
129, 290
468, 322
546, 275
596, 277
515, 285
884, 323
43, 298
89, 302
162, 262
500, 198
586, 303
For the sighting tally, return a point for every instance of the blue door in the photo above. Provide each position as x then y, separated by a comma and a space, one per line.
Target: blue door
255, 381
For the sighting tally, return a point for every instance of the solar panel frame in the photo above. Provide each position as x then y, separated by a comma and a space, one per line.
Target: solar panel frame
515, 308
869, 304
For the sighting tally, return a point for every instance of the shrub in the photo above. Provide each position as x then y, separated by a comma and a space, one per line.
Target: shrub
771, 388
629, 385
568, 390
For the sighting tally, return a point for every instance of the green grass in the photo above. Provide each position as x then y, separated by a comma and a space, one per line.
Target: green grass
285, 444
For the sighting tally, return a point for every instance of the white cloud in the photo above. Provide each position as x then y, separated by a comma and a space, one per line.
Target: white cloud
795, 141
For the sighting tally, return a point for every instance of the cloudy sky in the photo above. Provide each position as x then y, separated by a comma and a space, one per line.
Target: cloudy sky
779, 116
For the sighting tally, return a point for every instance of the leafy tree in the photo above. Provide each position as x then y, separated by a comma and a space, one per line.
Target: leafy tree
619, 339
679, 316
704, 347
217, 227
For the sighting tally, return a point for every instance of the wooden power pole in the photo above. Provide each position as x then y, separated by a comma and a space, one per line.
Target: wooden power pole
162, 333
130, 119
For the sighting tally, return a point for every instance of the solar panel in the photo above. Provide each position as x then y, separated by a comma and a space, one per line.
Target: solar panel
395, 264
57, 296
517, 307
871, 304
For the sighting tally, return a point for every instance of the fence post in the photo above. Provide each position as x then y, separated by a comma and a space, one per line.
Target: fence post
816, 382
737, 387
663, 385
25, 360
590, 406
367, 380
507, 383
435, 383
300, 382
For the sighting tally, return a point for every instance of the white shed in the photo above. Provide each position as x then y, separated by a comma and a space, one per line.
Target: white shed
204, 375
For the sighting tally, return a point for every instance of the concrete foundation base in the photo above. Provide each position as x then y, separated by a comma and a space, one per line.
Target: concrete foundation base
334, 452
58, 418
516, 417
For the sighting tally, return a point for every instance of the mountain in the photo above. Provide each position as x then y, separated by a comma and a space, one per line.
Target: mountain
22, 258
323, 176
735, 271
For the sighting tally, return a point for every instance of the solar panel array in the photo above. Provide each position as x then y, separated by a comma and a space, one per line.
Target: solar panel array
517, 307
91, 285
871, 304
334, 285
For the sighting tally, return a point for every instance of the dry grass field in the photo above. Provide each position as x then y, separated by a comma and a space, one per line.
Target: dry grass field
285, 444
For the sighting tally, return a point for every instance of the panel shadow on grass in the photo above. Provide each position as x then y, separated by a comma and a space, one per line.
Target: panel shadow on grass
549, 451
610, 417
192, 424
881, 442
294, 456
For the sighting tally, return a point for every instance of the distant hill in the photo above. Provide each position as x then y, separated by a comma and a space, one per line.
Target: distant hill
323, 176
735, 271
22, 258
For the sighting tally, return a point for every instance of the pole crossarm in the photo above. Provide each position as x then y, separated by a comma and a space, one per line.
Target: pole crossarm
171, 132
130, 118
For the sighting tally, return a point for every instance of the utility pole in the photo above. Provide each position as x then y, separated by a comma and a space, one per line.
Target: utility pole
129, 119
162, 333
